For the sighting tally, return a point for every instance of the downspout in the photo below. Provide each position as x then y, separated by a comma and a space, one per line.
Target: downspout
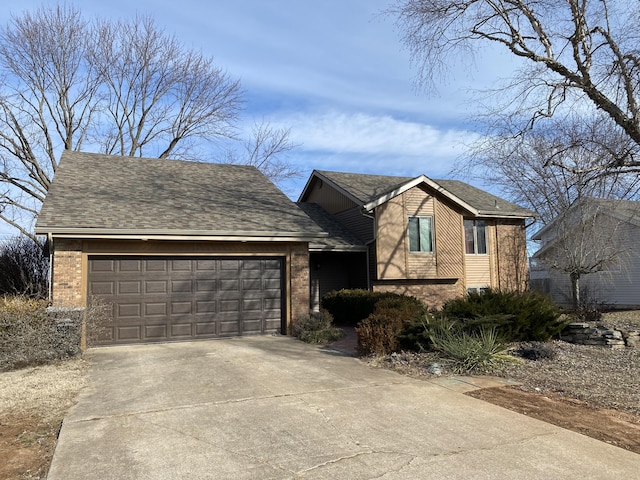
367, 244
50, 273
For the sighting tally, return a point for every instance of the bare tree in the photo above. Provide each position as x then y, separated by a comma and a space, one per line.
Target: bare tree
553, 166
24, 268
125, 88
578, 55
587, 238
266, 149
157, 94
550, 171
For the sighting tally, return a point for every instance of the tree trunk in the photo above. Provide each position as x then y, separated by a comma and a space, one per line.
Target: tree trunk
575, 289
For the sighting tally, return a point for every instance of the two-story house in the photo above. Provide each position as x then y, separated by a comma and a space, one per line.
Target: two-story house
433, 239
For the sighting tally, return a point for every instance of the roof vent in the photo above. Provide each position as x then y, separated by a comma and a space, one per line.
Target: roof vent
495, 205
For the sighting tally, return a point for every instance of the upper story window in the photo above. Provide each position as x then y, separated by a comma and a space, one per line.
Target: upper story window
421, 234
475, 237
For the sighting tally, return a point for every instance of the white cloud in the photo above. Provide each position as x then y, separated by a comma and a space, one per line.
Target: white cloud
359, 133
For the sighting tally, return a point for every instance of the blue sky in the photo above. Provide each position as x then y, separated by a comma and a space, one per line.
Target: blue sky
334, 71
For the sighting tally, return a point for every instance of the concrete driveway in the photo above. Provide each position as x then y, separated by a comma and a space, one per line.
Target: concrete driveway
275, 408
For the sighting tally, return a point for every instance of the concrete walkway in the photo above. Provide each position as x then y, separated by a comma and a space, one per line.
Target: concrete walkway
275, 408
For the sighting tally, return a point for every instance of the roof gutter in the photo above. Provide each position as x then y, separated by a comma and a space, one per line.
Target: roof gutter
90, 233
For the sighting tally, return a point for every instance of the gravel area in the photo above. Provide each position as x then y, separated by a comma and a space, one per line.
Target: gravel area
600, 376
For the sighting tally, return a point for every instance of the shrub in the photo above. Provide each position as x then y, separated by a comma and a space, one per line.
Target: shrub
528, 316
470, 352
587, 313
379, 333
316, 327
31, 336
349, 307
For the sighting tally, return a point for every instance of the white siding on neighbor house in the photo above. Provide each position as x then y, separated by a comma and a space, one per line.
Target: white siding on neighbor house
619, 286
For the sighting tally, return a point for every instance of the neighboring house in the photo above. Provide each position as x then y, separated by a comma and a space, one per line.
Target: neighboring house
182, 250
600, 235
187, 250
433, 239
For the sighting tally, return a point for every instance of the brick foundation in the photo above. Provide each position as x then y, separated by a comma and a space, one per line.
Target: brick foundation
433, 295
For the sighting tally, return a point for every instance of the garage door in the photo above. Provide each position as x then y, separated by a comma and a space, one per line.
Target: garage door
159, 299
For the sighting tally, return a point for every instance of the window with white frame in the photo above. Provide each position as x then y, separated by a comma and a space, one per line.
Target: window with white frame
477, 290
475, 237
420, 234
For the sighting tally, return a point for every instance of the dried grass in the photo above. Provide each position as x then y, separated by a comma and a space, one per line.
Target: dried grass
46, 391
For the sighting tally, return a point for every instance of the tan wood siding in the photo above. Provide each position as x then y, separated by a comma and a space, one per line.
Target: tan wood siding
511, 257
418, 202
328, 197
477, 271
449, 242
360, 224
391, 239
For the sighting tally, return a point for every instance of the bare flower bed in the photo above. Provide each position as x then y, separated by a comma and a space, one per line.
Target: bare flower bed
600, 376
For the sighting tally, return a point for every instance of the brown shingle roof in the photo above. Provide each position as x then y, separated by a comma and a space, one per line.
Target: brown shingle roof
340, 238
113, 194
365, 188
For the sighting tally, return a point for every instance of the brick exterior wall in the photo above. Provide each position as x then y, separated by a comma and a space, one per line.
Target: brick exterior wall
433, 295
299, 284
67, 280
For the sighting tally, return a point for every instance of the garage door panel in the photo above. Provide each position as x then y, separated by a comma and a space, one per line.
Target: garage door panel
206, 329
228, 328
181, 286
254, 305
130, 266
206, 286
181, 266
181, 330
271, 284
206, 265
102, 288
155, 286
156, 309
181, 308
252, 284
229, 285
155, 332
164, 298
129, 310
206, 306
226, 265
252, 326
108, 266
156, 265
226, 306
129, 288
129, 333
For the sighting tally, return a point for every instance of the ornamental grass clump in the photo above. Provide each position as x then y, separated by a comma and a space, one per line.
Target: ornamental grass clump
470, 352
